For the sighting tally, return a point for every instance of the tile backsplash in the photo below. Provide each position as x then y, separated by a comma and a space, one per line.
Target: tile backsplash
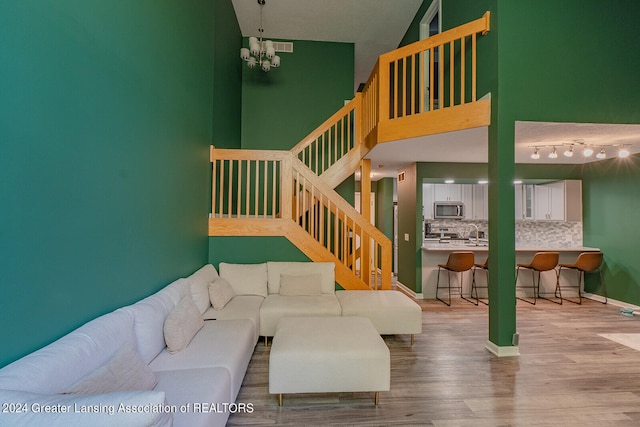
549, 233
528, 233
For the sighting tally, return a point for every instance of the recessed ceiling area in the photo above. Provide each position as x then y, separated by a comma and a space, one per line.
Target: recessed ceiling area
471, 146
374, 26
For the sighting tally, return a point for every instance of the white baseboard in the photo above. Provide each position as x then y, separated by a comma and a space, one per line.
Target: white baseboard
611, 301
409, 291
502, 351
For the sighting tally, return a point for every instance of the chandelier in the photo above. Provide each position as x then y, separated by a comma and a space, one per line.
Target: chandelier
260, 52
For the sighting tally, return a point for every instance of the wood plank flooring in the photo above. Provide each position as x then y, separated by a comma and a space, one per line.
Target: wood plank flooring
566, 375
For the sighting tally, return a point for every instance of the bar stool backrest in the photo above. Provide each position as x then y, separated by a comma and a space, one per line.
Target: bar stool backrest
544, 261
589, 261
460, 261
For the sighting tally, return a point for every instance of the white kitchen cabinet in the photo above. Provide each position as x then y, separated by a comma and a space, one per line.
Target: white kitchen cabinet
480, 202
448, 192
466, 193
428, 197
525, 198
550, 201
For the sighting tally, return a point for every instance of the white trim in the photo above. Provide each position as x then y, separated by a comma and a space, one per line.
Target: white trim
435, 7
409, 291
614, 302
502, 351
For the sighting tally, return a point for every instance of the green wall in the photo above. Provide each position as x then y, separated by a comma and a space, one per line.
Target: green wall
281, 107
105, 123
611, 198
227, 84
384, 206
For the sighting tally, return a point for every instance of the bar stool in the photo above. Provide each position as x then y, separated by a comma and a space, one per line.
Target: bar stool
587, 262
542, 261
474, 286
458, 262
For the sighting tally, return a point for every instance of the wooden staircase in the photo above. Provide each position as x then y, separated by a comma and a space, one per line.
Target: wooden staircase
291, 193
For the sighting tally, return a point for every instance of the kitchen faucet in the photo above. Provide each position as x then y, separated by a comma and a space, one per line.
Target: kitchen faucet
477, 234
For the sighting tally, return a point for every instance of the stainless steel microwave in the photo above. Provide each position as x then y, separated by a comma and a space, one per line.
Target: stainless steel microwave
448, 210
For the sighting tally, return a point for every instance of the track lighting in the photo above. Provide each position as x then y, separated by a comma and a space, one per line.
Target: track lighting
624, 152
587, 150
569, 151
535, 154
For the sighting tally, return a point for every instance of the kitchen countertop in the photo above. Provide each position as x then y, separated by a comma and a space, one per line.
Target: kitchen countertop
460, 245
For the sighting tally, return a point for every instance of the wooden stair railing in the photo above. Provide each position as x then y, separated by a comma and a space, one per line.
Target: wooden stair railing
396, 99
334, 149
338, 227
396, 102
272, 193
290, 193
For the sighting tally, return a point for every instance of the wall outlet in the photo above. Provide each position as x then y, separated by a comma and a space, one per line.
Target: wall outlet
406, 237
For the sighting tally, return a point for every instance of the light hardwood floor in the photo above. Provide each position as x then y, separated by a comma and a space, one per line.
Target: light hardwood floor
566, 375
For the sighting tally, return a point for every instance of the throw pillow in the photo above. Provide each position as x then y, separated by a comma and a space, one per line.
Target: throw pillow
220, 293
124, 371
199, 282
181, 325
307, 285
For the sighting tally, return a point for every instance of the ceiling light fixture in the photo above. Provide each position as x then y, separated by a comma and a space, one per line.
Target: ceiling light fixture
483, 181
535, 155
261, 53
588, 151
569, 151
449, 181
517, 182
624, 152
553, 154
602, 154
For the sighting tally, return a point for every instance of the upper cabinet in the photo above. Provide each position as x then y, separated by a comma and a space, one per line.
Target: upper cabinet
448, 192
479, 202
474, 197
556, 201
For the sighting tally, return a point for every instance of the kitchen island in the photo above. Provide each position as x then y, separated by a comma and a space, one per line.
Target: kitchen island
434, 253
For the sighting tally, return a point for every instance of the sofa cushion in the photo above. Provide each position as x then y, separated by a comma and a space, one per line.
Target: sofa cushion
245, 279
300, 285
181, 325
177, 290
197, 386
199, 283
150, 314
240, 307
220, 343
275, 307
277, 268
124, 371
391, 312
55, 367
220, 293
107, 414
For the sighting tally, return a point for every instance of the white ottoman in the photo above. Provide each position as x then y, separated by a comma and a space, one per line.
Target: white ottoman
328, 354
391, 312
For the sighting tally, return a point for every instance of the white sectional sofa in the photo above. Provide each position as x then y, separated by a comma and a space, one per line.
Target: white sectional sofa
167, 358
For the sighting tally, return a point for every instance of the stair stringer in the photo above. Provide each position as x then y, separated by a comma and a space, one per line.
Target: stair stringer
282, 227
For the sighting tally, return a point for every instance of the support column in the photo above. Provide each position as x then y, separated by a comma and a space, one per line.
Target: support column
502, 259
